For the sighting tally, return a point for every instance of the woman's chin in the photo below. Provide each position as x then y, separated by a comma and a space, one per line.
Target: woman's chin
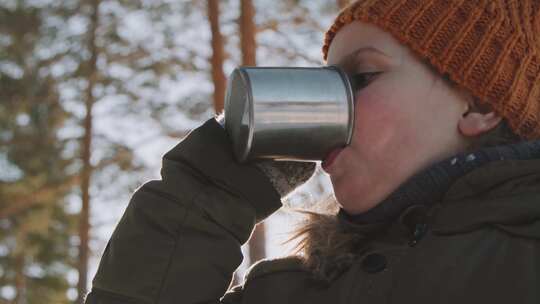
350, 203
355, 209
354, 188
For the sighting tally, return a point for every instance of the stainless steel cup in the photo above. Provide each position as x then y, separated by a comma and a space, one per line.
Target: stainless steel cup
288, 113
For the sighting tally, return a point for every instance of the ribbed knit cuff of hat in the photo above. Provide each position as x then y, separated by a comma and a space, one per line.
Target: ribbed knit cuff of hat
285, 176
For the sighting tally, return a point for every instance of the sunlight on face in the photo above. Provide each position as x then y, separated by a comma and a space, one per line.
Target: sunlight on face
405, 117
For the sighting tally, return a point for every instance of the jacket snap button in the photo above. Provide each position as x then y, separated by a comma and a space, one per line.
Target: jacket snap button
374, 263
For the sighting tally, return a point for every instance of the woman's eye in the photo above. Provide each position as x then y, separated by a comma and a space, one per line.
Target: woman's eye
361, 80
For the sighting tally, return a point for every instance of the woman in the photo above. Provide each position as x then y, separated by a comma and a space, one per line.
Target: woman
433, 207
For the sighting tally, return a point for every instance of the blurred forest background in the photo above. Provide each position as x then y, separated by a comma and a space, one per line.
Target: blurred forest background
94, 92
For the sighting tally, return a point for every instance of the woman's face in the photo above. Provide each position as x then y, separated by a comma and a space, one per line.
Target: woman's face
406, 117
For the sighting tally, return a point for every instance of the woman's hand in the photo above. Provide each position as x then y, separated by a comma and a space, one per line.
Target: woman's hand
286, 176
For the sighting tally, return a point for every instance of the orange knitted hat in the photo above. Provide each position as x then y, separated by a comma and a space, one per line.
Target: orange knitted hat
490, 47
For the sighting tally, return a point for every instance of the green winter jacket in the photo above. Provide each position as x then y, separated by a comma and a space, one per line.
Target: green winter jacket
179, 240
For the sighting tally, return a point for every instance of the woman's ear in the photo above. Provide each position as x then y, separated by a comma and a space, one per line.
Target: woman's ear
474, 123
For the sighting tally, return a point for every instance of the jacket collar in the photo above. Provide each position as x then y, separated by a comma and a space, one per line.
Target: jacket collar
503, 194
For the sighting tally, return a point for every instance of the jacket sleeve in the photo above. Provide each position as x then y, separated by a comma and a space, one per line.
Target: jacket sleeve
179, 239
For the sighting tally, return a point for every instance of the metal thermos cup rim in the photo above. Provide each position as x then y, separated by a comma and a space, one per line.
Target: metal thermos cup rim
351, 97
241, 141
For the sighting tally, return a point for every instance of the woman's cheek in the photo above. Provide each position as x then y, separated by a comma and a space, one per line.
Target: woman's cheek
375, 124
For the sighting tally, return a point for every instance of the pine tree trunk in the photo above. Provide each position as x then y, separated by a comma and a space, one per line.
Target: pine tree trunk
247, 33
20, 280
218, 56
257, 243
84, 219
342, 3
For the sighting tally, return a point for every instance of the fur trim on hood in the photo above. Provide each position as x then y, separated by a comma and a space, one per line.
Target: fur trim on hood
328, 245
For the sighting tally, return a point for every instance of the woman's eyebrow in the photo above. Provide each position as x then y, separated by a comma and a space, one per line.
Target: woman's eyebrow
369, 49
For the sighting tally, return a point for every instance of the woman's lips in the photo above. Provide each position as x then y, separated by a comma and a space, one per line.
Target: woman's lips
329, 159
